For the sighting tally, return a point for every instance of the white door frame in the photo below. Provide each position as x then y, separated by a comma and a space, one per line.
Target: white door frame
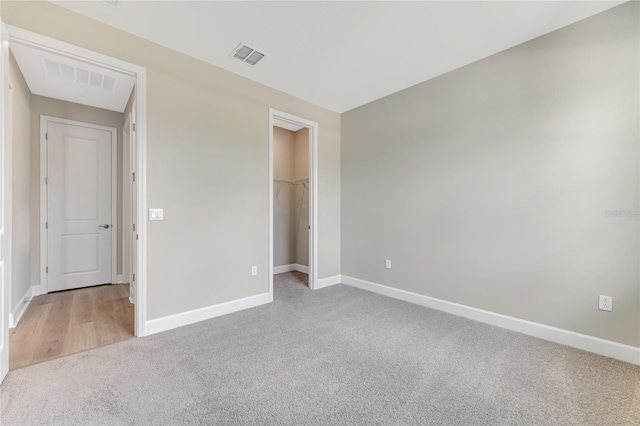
5, 182
313, 193
126, 200
19, 35
44, 200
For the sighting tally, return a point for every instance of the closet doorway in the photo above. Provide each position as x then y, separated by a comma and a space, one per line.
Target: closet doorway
293, 200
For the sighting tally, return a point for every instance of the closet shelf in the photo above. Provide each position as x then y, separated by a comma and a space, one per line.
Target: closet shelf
295, 182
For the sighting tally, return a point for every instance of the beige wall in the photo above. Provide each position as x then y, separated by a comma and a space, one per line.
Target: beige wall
70, 111
22, 209
207, 166
488, 186
284, 237
301, 154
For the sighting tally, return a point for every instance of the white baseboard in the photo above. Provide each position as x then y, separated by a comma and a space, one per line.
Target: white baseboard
329, 281
119, 279
292, 267
596, 345
282, 269
301, 268
18, 311
37, 290
197, 315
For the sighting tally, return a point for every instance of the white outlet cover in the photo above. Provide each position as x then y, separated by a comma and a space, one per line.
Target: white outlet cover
156, 214
387, 264
605, 303
254, 270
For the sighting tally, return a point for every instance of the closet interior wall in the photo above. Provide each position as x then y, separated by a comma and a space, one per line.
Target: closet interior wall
291, 197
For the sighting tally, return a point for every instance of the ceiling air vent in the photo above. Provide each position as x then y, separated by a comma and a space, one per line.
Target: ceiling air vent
79, 75
247, 54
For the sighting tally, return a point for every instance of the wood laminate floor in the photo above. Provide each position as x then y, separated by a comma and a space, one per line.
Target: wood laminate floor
66, 322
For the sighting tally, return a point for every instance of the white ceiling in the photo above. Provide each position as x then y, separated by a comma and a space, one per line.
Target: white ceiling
341, 55
60, 77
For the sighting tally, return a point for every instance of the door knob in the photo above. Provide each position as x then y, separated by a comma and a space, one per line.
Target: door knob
104, 226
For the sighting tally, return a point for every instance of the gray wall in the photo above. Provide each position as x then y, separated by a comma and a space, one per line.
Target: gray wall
488, 186
22, 209
207, 166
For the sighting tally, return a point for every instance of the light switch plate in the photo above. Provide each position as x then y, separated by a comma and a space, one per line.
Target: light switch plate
156, 214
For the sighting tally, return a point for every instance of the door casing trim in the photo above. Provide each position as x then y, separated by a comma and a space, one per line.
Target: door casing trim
313, 193
19, 35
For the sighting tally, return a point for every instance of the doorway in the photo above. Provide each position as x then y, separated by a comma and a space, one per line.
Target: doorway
79, 267
293, 236
80, 188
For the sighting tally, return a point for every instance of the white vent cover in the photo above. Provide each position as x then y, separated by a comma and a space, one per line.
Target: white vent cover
79, 75
247, 54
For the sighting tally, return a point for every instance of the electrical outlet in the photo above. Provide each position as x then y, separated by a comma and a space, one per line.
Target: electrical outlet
606, 303
387, 264
254, 270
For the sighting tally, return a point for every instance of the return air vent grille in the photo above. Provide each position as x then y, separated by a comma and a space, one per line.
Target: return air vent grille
79, 75
247, 54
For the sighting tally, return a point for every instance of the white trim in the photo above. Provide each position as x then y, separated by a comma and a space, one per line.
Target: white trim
37, 290
20, 35
313, 193
284, 268
120, 279
5, 248
327, 282
141, 206
596, 345
44, 235
190, 317
114, 206
292, 267
301, 268
271, 118
44, 241
18, 311
126, 199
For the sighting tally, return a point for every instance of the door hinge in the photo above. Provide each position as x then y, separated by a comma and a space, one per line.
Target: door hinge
134, 277
134, 176
136, 237
46, 269
134, 127
46, 136
46, 225
134, 227
46, 181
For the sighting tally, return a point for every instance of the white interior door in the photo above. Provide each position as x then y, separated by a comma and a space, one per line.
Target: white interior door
79, 204
5, 285
134, 207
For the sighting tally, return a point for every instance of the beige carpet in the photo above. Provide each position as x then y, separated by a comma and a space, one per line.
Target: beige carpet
336, 356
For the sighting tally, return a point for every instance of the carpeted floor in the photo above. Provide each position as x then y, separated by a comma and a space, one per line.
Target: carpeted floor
334, 356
